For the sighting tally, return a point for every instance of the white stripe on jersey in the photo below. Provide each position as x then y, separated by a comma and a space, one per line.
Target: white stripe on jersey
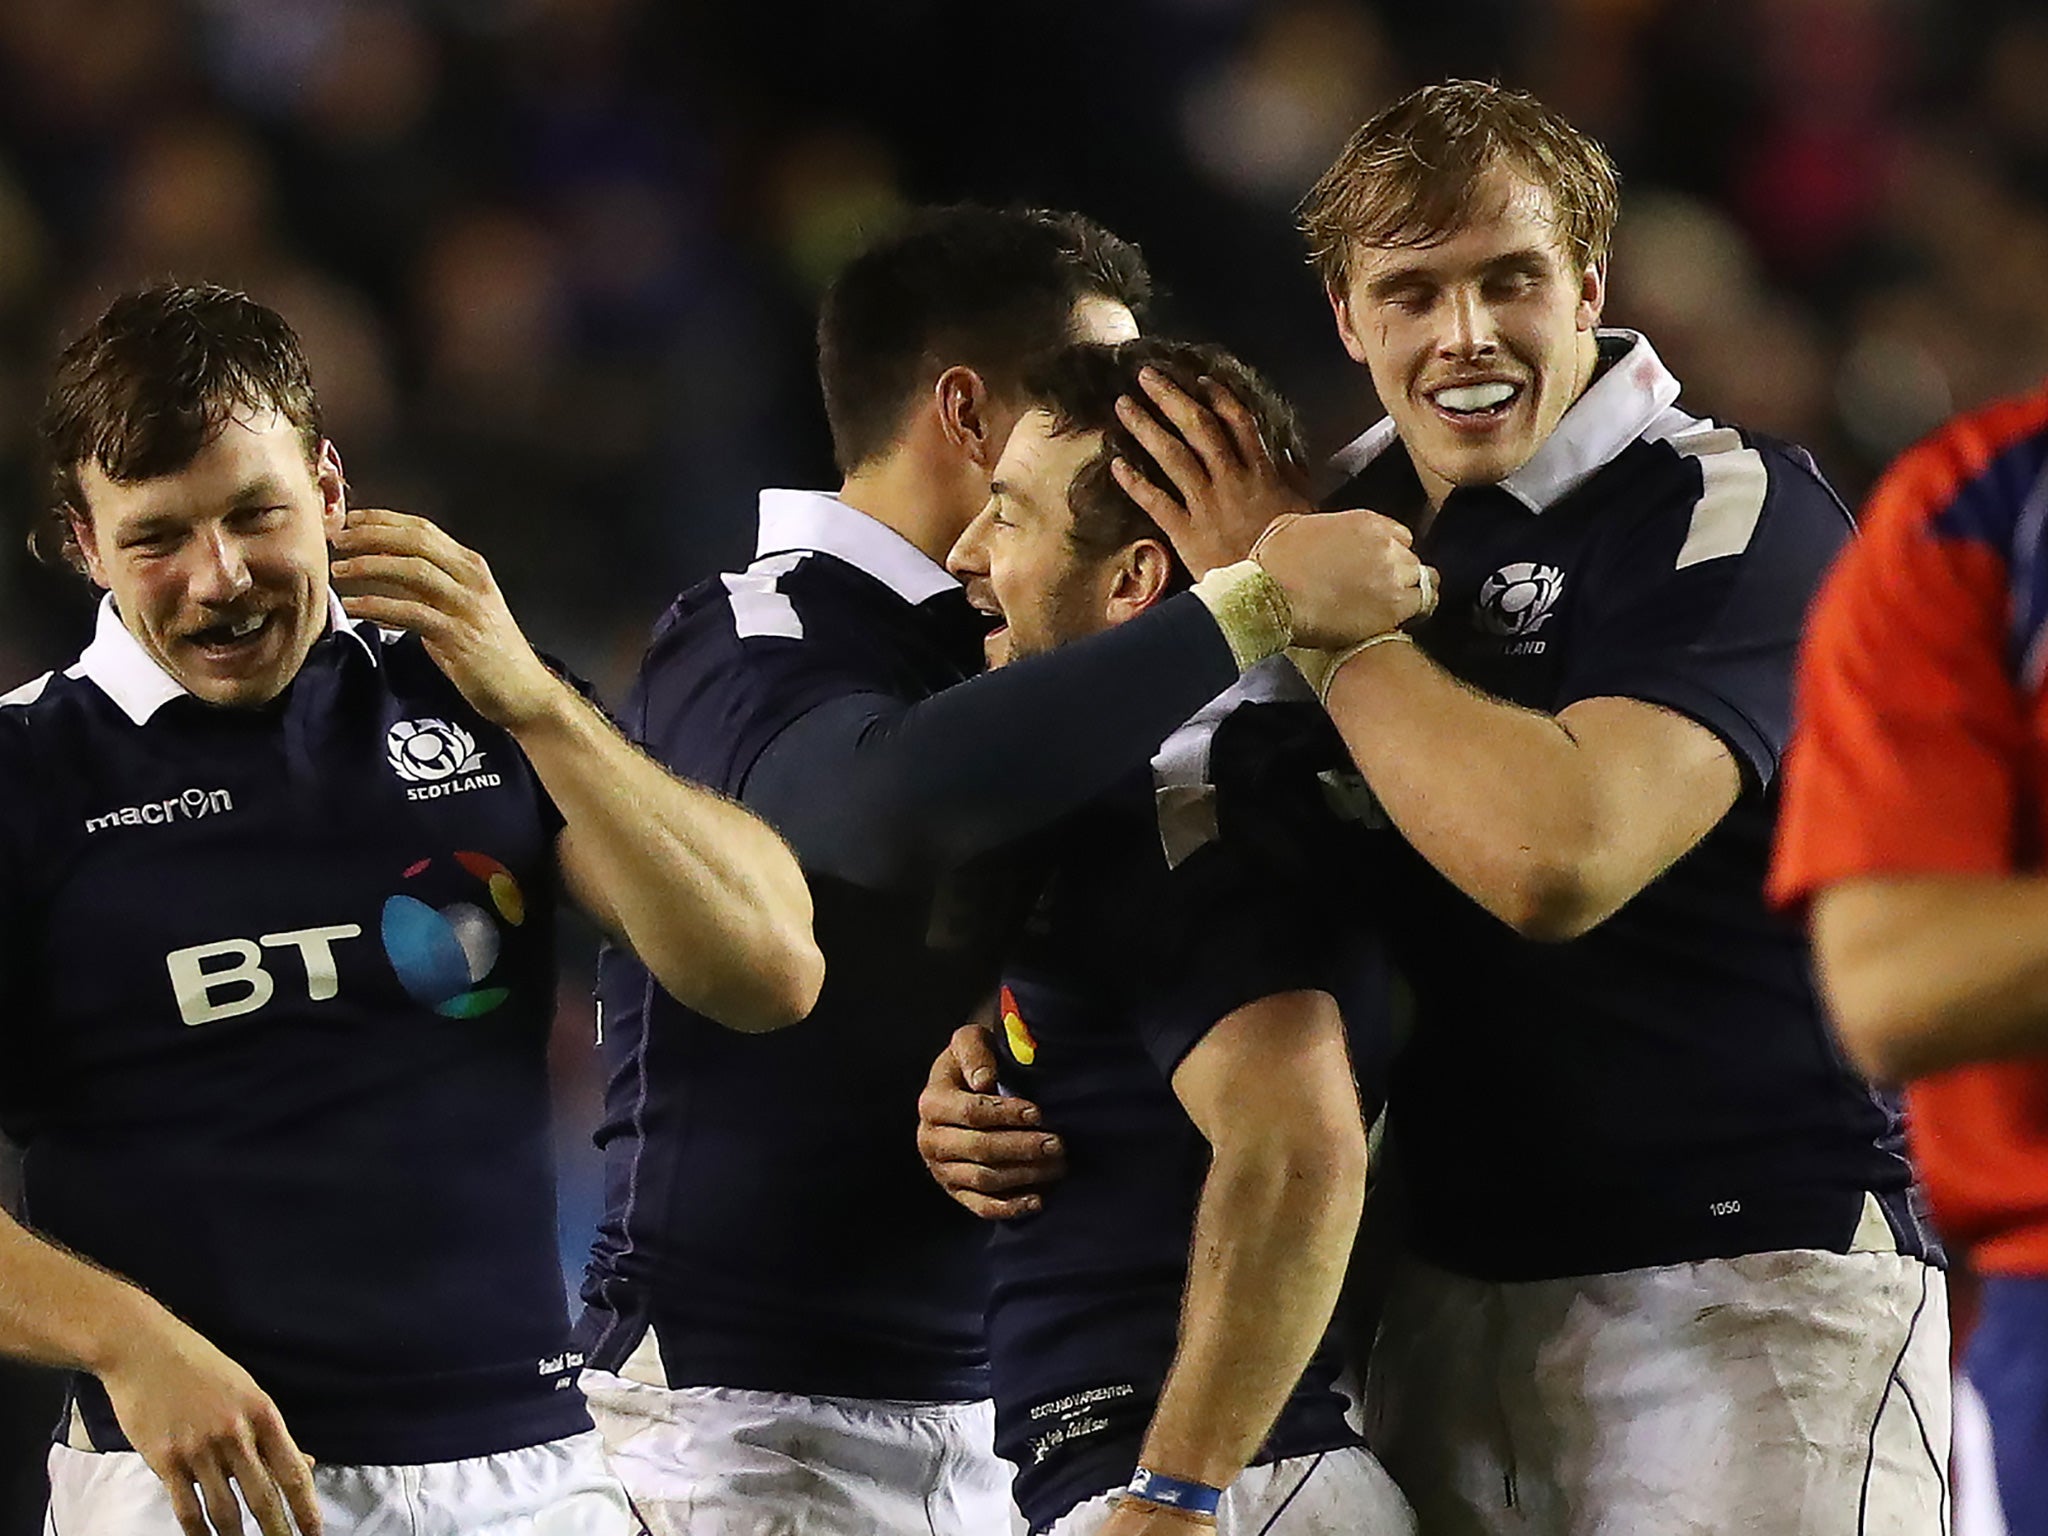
758, 606
1733, 482
1181, 787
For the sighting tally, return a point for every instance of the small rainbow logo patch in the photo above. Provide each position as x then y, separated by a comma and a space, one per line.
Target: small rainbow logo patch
441, 954
1017, 1032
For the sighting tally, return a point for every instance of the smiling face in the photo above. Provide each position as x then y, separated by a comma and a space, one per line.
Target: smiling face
1479, 343
220, 568
1018, 559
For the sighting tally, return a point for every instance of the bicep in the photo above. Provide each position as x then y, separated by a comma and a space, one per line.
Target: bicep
1659, 782
1276, 1066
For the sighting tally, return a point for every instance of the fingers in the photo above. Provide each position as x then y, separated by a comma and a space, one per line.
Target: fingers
973, 1049
994, 1207
259, 1492
1245, 437
1180, 462
1011, 1158
394, 613
374, 531
1152, 500
406, 576
1197, 425
184, 1503
292, 1470
219, 1498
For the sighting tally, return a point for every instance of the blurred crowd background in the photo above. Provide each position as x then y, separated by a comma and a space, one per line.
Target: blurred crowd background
555, 260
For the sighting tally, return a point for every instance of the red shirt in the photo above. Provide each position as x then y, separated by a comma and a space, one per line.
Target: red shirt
1921, 747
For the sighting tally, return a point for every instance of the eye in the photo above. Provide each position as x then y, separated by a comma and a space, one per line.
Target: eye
1412, 298
256, 519
1511, 285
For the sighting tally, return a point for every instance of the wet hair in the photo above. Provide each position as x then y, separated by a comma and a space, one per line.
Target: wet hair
1079, 387
1411, 175
151, 382
986, 288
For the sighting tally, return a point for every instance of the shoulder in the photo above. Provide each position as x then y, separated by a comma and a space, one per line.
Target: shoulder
1694, 492
1971, 479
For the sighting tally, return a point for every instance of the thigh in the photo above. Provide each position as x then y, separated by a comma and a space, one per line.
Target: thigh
971, 1495
1762, 1394
559, 1488
1331, 1493
716, 1461
95, 1492
1432, 1403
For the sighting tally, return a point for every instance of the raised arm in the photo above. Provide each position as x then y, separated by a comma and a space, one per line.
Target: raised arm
706, 894
1271, 1089
196, 1418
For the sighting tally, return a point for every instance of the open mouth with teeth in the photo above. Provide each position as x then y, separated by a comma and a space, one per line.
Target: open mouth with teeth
231, 637
1476, 404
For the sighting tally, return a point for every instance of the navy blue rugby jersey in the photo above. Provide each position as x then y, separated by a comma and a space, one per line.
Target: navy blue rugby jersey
1664, 1088
279, 983
1234, 871
766, 1209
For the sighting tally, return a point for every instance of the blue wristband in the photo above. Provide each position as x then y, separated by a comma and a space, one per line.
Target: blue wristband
1174, 1492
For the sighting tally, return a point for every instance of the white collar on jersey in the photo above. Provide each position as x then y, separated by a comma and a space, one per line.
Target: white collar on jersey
133, 678
1616, 409
812, 521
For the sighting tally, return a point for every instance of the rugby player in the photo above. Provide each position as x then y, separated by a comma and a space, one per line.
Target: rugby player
278, 872
785, 1320
1179, 1005
1666, 1267
1913, 833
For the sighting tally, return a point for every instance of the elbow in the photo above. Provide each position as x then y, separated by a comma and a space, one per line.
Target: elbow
1553, 901
781, 989
1885, 1037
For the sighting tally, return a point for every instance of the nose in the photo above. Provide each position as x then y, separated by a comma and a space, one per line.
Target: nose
969, 554
1472, 333
222, 568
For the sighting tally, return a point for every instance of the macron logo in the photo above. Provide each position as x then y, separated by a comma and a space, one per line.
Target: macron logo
190, 806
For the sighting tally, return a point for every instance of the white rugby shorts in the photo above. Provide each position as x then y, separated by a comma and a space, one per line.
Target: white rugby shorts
1330, 1493
558, 1488
1800, 1393
723, 1461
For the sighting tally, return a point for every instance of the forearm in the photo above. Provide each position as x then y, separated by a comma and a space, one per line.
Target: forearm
1930, 972
58, 1309
904, 797
705, 893
1272, 1235
1496, 797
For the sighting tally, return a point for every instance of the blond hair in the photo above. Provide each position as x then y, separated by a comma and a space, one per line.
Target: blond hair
1411, 175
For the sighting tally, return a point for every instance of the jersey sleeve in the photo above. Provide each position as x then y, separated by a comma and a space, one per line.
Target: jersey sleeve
887, 793
1272, 902
1911, 733
1697, 605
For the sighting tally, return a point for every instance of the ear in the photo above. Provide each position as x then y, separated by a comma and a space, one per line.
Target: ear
1592, 295
88, 545
1347, 332
1139, 579
332, 485
965, 417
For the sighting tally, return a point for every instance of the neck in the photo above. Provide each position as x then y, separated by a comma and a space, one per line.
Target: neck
902, 494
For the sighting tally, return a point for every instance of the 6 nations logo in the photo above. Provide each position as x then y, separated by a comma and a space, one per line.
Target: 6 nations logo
436, 758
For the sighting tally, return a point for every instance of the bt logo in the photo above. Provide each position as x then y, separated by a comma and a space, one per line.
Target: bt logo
439, 954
